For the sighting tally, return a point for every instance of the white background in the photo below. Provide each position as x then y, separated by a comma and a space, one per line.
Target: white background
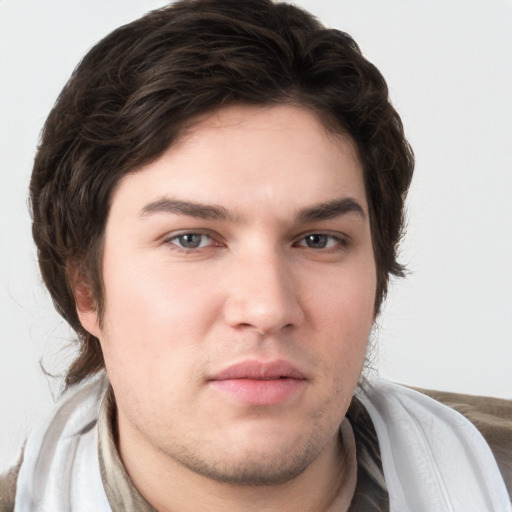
449, 68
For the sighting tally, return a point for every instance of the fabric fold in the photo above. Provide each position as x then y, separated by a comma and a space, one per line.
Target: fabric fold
60, 470
434, 459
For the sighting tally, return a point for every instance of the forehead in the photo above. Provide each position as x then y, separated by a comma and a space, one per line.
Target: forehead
259, 156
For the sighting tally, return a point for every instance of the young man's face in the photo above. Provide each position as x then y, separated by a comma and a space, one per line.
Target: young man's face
239, 290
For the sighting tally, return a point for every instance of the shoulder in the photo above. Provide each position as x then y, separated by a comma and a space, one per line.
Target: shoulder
8, 487
492, 417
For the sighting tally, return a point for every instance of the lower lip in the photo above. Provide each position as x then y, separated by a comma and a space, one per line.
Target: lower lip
260, 392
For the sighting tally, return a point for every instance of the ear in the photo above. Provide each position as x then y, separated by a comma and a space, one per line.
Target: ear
84, 300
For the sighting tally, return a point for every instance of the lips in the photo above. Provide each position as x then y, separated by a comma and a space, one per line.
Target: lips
260, 383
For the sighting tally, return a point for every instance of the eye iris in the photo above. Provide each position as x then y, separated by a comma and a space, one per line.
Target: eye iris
190, 241
316, 241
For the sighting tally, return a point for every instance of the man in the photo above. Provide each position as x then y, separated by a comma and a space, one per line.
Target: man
217, 202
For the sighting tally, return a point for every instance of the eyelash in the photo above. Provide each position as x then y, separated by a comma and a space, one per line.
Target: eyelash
341, 242
171, 241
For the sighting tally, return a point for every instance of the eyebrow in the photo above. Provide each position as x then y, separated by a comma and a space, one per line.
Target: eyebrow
331, 209
320, 211
190, 209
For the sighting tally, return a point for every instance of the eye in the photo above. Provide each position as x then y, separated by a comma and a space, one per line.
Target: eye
190, 241
321, 241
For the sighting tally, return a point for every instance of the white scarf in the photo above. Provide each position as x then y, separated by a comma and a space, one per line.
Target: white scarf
434, 459
60, 470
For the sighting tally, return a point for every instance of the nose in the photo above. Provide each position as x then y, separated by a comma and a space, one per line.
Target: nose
263, 294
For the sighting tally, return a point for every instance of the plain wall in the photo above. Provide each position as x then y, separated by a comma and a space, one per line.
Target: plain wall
449, 68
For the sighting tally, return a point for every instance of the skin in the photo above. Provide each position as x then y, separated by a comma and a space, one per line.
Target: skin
254, 281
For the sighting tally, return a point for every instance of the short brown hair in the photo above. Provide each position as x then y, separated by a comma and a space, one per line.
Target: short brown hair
128, 99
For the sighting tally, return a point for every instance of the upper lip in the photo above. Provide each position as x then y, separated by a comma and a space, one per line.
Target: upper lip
259, 370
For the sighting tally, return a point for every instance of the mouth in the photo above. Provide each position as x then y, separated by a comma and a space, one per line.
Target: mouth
260, 383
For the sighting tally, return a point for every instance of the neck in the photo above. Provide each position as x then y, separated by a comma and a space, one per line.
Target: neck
327, 484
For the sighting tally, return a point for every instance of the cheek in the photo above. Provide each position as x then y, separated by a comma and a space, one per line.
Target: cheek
346, 301
147, 296
155, 317
151, 339
346, 315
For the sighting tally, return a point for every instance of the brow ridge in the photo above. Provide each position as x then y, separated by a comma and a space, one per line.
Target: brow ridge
331, 209
190, 209
321, 211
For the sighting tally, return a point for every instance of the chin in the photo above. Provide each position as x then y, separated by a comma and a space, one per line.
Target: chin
255, 469
259, 455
